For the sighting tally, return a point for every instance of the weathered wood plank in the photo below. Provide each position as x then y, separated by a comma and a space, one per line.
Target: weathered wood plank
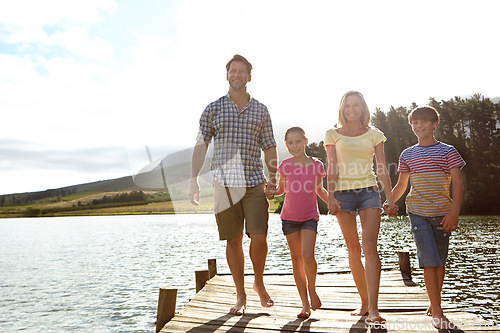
403, 306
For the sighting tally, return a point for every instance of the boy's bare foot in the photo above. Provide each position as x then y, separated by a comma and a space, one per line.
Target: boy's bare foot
361, 311
442, 323
265, 299
315, 301
240, 306
429, 311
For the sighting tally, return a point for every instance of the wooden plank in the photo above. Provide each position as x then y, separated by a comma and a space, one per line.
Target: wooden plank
263, 321
403, 306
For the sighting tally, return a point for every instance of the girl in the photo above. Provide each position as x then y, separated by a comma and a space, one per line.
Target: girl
352, 188
301, 178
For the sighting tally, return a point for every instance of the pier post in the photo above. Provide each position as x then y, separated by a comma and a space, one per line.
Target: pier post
166, 307
404, 264
202, 276
212, 267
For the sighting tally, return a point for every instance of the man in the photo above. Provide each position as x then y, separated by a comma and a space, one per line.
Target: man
241, 128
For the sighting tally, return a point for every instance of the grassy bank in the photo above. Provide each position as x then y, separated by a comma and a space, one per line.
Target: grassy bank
91, 203
111, 203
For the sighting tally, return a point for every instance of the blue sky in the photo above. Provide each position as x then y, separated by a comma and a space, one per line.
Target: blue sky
86, 85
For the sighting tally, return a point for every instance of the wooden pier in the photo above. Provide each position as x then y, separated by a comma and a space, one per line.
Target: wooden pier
401, 302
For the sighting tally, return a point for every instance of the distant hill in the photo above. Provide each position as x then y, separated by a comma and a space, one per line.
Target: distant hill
495, 100
170, 174
112, 185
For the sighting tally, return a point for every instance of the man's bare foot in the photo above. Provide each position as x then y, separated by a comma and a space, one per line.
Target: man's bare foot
265, 299
315, 301
442, 323
361, 311
240, 306
429, 311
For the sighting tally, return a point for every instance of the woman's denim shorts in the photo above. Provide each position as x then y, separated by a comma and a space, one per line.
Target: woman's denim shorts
289, 227
353, 201
431, 240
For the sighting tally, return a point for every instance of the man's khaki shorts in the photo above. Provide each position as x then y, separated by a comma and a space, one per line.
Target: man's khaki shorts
238, 207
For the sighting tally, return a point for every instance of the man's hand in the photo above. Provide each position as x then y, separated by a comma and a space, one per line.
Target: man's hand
194, 191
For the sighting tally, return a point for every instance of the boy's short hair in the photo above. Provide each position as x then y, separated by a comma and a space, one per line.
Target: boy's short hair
423, 113
237, 57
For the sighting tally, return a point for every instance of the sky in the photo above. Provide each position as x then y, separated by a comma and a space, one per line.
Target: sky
86, 86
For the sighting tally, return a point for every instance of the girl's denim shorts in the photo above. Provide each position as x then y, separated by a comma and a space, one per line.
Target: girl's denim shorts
289, 227
431, 240
353, 201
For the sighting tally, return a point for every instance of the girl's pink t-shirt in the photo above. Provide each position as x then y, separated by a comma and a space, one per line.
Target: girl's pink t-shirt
300, 195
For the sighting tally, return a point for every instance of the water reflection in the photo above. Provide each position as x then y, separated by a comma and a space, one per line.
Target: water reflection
473, 273
102, 274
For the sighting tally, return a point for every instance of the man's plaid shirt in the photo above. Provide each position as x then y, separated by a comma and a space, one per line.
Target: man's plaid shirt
239, 138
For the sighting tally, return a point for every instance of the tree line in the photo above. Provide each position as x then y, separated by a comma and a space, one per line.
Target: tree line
471, 124
134, 198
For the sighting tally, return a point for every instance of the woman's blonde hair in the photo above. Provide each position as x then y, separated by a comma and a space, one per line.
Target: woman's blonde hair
365, 116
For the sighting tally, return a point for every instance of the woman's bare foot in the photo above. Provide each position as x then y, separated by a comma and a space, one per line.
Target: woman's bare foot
265, 299
442, 323
376, 321
315, 301
374, 318
361, 311
240, 306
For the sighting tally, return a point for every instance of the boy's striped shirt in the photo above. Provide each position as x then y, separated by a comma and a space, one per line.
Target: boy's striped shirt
430, 179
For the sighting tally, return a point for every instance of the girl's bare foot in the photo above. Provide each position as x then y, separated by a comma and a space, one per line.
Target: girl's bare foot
361, 311
265, 299
315, 301
304, 314
240, 306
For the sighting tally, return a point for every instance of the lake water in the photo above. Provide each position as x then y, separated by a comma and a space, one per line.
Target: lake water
102, 274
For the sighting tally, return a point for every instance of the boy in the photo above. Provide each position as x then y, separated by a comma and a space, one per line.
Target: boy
431, 167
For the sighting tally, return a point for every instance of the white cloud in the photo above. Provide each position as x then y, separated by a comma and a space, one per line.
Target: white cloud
68, 87
77, 41
25, 20
28, 166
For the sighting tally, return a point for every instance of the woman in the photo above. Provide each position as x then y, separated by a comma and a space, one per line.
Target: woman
353, 189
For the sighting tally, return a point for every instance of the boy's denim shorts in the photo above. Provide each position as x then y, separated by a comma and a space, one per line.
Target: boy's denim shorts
353, 201
431, 240
289, 227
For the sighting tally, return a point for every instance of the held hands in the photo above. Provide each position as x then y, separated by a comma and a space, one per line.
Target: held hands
333, 205
270, 191
391, 209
